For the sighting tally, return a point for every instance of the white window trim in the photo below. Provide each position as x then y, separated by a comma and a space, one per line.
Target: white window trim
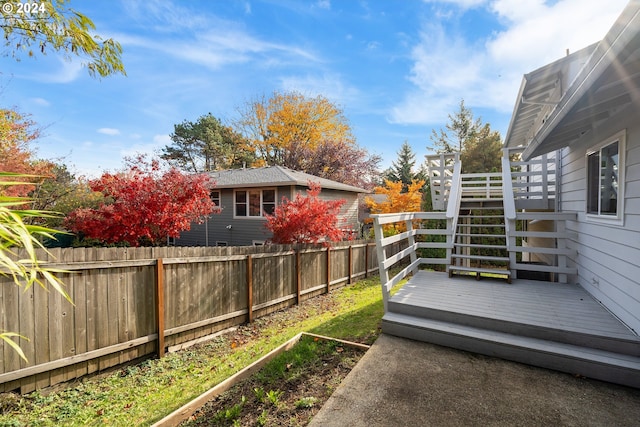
247, 190
621, 138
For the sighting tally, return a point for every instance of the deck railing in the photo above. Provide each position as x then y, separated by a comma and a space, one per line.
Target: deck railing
407, 259
533, 181
440, 169
543, 241
481, 186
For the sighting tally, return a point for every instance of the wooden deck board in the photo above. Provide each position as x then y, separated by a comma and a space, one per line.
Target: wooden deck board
545, 304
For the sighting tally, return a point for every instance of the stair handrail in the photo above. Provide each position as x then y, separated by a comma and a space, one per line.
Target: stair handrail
508, 198
455, 196
455, 191
509, 205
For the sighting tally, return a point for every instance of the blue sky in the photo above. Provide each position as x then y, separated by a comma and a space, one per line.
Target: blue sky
396, 68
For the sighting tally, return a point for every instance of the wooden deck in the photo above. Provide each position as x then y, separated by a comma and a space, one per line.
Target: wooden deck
552, 325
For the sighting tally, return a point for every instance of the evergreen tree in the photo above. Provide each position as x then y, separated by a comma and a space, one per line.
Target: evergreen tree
483, 152
459, 129
206, 145
478, 145
402, 170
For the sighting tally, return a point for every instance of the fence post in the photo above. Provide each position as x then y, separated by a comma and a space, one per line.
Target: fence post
160, 305
350, 261
250, 287
328, 269
298, 276
366, 260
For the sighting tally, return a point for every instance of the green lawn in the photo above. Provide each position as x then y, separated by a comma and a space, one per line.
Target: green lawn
145, 393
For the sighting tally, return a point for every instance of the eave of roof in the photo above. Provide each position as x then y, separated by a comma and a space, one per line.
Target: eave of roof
540, 90
274, 176
623, 33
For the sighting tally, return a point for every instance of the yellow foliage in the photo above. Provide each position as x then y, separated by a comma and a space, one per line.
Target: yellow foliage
396, 201
273, 125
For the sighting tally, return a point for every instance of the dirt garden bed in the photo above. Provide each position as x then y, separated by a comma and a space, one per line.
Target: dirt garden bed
286, 387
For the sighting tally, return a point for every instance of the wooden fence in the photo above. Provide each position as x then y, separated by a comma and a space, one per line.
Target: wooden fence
131, 303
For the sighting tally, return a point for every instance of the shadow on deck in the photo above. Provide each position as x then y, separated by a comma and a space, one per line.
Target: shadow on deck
545, 324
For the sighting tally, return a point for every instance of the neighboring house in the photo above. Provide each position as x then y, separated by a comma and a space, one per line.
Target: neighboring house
584, 110
246, 195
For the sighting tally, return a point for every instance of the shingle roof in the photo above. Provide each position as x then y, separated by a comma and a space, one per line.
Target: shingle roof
273, 176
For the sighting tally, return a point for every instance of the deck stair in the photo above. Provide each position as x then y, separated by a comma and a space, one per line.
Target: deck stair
480, 241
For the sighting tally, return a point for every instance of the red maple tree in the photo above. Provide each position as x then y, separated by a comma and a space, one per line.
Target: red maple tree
144, 206
17, 133
306, 219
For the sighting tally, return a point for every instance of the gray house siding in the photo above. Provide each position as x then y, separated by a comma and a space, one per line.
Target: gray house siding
348, 216
244, 232
608, 257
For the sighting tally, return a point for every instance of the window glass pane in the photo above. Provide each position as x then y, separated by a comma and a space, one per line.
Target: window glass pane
593, 186
269, 196
609, 179
215, 197
268, 202
241, 203
268, 208
254, 203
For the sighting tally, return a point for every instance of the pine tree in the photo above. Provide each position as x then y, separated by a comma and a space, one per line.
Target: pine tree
460, 128
478, 145
402, 170
483, 152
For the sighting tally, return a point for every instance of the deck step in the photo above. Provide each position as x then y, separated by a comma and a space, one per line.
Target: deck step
497, 204
478, 271
481, 257
516, 325
481, 235
480, 246
573, 359
481, 225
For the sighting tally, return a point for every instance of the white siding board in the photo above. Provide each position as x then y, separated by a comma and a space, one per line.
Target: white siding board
614, 297
633, 172
615, 263
610, 254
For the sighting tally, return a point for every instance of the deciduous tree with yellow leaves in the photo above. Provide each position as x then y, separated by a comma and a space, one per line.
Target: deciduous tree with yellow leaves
309, 134
273, 124
395, 200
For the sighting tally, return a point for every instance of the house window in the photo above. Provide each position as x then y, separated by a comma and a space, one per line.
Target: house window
605, 179
215, 198
255, 203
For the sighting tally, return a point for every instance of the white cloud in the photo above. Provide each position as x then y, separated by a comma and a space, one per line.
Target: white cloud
161, 140
150, 148
66, 72
330, 86
447, 67
207, 39
41, 102
324, 4
109, 131
465, 4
